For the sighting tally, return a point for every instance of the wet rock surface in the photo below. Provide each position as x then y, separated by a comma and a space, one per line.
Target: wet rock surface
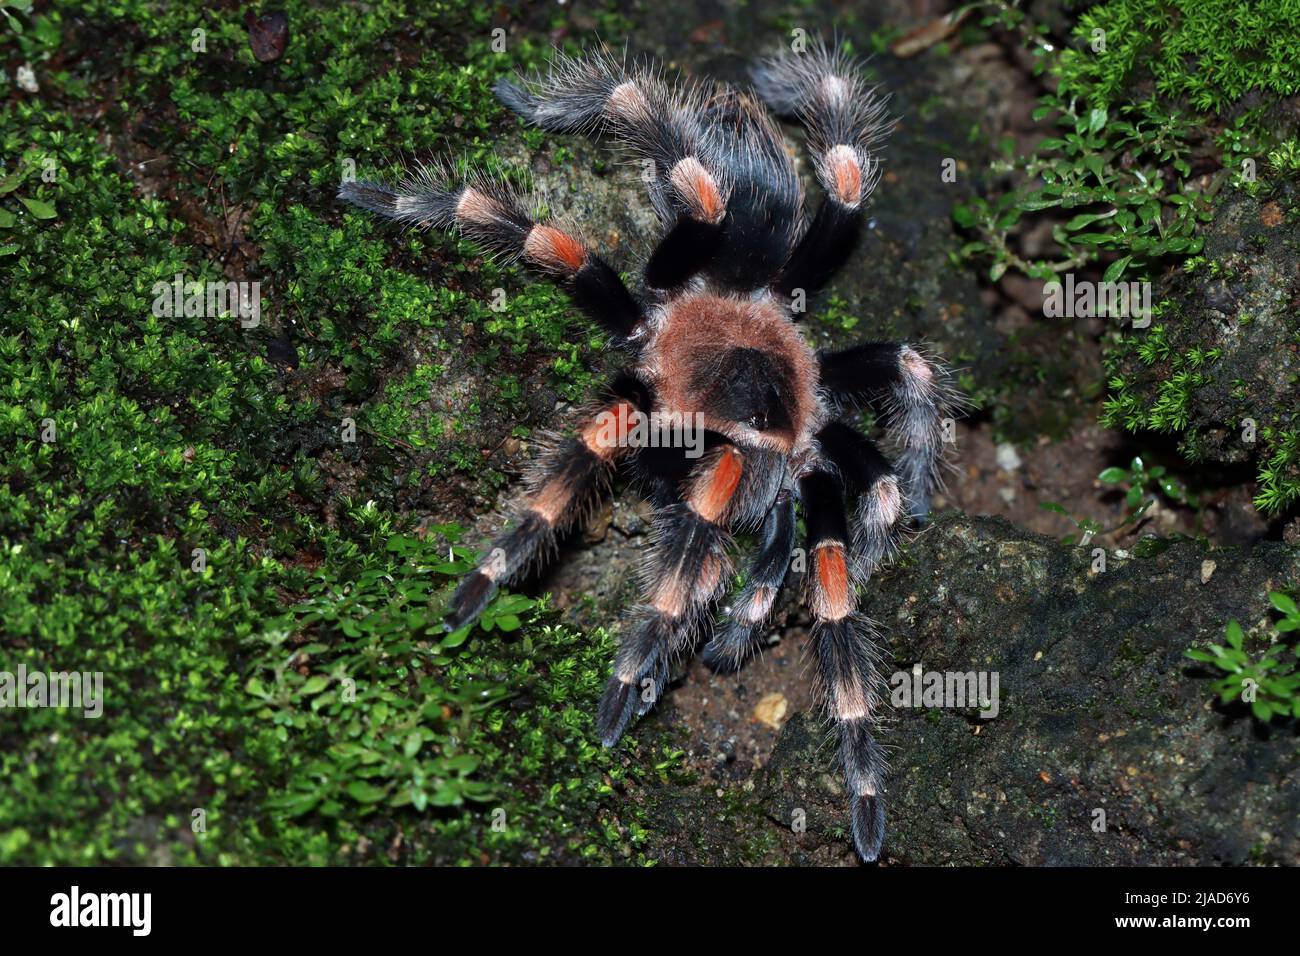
1099, 712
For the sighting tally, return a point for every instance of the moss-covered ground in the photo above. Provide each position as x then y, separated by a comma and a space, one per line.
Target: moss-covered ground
224, 520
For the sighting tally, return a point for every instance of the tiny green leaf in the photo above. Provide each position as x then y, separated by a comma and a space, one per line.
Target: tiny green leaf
39, 209
1116, 269
1283, 603
363, 792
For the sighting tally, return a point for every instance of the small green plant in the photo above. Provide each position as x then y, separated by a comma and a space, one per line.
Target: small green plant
1142, 480
1270, 683
36, 208
21, 6
1286, 156
835, 313
1119, 178
348, 670
1090, 527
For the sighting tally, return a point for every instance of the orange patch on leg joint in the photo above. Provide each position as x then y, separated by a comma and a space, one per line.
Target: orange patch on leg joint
845, 175
832, 598
915, 366
756, 611
608, 431
713, 493
554, 250
710, 576
698, 190
852, 702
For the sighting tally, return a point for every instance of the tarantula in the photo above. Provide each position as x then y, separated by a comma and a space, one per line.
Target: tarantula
711, 337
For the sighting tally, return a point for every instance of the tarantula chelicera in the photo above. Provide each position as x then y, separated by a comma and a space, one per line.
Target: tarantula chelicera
711, 339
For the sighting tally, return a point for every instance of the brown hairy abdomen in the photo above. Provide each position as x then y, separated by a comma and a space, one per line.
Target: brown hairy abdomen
701, 326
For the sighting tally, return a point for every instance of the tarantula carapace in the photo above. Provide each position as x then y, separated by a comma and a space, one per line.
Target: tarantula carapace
711, 338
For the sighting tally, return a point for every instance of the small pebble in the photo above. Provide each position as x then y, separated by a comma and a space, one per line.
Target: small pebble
26, 79
267, 35
771, 709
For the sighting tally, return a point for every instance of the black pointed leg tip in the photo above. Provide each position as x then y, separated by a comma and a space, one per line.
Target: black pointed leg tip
617, 706
719, 658
642, 705
515, 97
646, 701
469, 600
712, 657
371, 196
454, 622
658, 681
867, 819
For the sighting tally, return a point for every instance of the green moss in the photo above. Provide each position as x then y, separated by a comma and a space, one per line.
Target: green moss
172, 484
1210, 53
835, 313
1279, 476
394, 417
1270, 683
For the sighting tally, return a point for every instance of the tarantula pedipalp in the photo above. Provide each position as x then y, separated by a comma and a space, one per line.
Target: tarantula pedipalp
712, 339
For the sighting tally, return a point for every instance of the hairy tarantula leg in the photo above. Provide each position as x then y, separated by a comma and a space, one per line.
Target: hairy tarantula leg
659, 124
914, 395
688, 249
752, 608
489, 212
847, 659
845, 120
687, 570
821, 253
565, 481
880, 499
